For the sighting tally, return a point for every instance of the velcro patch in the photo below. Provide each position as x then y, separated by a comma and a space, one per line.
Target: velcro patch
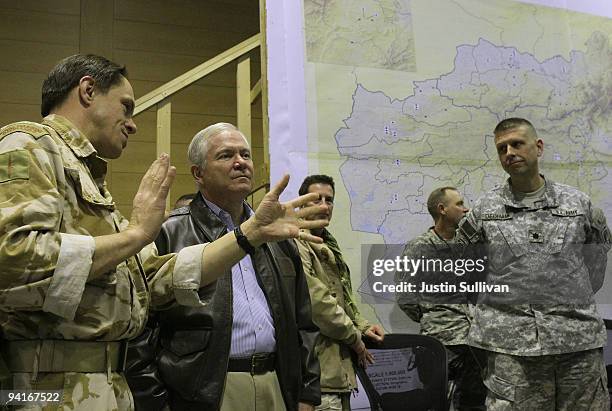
496, 216
561, 212
14, 165
34, 129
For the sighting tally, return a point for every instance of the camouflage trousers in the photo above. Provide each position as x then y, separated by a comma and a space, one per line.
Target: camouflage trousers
79, 391
563, 382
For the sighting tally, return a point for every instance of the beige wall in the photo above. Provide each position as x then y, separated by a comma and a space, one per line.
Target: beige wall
157, 40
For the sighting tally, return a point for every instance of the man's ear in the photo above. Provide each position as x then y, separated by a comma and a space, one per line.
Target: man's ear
441, 209
196, 172
86, 90
540, 145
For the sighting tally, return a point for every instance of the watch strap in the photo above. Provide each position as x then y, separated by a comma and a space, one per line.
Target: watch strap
243, 242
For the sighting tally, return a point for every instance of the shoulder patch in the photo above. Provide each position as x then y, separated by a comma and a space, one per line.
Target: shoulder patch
467, 231
34, 129
14, 165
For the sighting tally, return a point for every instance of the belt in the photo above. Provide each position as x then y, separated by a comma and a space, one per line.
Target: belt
34, 356
257, 364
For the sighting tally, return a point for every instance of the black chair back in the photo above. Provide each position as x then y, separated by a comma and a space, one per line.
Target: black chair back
410, 374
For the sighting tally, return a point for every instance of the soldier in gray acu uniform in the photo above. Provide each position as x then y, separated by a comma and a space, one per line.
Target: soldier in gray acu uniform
449, 320
548, 244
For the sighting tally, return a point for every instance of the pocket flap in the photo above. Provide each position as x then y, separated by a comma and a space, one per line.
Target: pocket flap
87, 189
502, 388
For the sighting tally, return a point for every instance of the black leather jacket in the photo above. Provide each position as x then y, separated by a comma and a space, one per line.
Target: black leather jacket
194, 342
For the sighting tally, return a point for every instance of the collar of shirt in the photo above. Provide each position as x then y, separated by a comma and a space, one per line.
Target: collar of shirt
83, 151
79, 144
225, 216
509, 200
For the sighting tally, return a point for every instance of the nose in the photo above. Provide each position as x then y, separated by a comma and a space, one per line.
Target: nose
239, 162
323, 201
510, 151
131, 127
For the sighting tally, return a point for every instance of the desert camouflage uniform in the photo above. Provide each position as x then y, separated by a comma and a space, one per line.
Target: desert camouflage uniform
335, 313
538, 251
53, 202
449, 323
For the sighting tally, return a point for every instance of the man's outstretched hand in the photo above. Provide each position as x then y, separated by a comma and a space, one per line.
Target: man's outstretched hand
276, 221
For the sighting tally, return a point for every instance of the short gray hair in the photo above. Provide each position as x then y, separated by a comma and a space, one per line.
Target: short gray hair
436, 197
198, 148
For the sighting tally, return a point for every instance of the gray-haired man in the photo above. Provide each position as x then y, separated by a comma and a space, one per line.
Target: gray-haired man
250, 345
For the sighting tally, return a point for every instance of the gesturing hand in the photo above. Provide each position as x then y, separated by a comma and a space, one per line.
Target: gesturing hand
276, 221
150, 201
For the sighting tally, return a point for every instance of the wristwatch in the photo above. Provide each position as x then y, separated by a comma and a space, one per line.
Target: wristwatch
243, 242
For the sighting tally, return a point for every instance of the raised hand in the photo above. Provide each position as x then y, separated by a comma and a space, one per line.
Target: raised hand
276, 221
149, 206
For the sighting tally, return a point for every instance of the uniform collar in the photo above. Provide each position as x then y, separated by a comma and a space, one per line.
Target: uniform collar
76, 140
550, 197
79, 144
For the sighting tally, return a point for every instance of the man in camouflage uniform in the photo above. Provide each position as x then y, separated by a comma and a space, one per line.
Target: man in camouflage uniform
76, 278
333, 308
548, 243
449, 323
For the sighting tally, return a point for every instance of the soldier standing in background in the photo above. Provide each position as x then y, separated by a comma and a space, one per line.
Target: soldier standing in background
333, 308
77, 279
544, 239
449, 323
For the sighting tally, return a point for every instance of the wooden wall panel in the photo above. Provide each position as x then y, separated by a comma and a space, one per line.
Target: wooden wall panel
185, 126
219, 15
157, 40
11, 112
215, 101
32, 57
39, 27
55, 6
125, 186
97, 27
163, 67
190, 41
18, 87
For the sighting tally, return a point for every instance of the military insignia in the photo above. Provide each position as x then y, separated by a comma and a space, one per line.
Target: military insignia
566, 212
536, 236
14, 165
467, 229
496, 216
